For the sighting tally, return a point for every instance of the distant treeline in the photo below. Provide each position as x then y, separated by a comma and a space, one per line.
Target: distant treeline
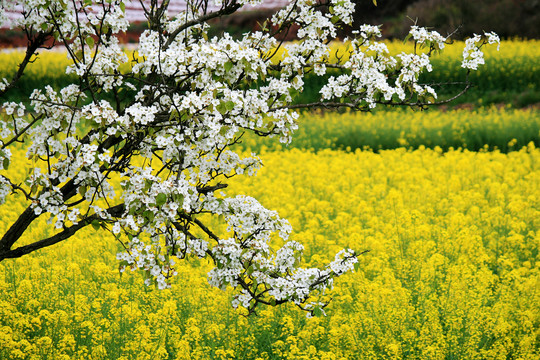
508, 18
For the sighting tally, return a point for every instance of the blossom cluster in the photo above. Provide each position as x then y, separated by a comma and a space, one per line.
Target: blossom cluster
380, 77
472, 53
165, 124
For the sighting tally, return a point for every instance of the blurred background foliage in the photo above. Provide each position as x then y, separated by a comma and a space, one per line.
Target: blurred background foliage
508, 18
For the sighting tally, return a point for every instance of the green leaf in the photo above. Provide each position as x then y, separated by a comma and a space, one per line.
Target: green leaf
147, 185
161, 199
90, 41
318, 312
407, 38
178, 198
95, 224
375, 2
293, 92
5, 163
149, 215
228, 66
221, 108
229, 105
122, 6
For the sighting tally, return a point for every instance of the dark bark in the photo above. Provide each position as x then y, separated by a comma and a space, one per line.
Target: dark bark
16, 230
7, 253
33, 45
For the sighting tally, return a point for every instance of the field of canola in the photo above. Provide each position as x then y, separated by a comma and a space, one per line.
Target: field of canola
452, 270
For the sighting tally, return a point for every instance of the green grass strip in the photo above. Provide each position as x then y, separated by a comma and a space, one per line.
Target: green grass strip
505, 129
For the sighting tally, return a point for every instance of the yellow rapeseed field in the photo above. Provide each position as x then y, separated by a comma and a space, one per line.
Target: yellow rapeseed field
451, 272
509, 50
55, 62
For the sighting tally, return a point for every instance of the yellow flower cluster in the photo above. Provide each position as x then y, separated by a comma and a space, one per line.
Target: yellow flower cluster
452, 269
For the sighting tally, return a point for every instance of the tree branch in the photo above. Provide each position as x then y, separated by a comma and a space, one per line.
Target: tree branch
319, 104
206, 189
114, 211
33, 45
227, 10
16, 230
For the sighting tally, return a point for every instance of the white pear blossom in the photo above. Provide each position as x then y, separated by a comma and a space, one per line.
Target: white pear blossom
472, 53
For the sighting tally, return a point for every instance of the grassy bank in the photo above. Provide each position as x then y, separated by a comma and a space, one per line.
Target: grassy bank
492, 128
